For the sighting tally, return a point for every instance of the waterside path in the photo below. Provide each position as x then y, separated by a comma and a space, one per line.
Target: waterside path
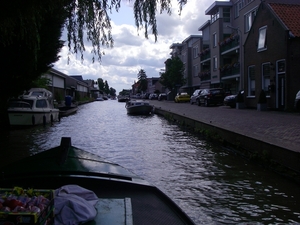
271, 137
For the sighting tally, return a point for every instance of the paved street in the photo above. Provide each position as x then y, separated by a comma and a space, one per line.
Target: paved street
277, 128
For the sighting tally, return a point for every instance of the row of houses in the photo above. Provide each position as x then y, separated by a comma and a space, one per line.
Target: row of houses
249, 45
62, 85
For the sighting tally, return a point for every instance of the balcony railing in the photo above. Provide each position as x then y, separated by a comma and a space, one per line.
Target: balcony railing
204, 54
204, 57
230, 69
204, 75
229, 43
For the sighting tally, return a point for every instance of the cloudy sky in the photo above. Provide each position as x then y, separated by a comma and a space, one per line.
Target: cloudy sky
132, 51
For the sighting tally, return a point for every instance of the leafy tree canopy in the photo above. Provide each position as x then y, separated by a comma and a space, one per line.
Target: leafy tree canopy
112, 91
106, 87
100, 84
30, 33
84, 19
173, 76
142, 81
124, 92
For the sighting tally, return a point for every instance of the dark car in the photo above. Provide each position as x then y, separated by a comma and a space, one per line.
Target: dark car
297, 101
231, 100
162, 96
213, 96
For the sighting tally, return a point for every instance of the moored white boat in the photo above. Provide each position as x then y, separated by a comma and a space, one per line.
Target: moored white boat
33, 108
138, 107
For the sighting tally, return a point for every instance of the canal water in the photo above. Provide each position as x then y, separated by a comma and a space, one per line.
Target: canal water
212, 185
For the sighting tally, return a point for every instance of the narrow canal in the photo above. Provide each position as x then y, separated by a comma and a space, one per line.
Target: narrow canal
210, 184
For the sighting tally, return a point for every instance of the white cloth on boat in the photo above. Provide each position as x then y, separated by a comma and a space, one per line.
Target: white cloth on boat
74, 205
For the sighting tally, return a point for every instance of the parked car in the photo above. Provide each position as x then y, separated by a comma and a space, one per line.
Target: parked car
162, 96
146, 96
153, 96
230, 100
194, 96
182, 97
297, 101
213, 96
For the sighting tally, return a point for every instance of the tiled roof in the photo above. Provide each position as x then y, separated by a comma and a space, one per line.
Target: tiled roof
289, 15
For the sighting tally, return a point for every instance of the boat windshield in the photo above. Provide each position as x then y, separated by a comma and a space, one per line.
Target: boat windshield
37, 93
20, 104
41, 103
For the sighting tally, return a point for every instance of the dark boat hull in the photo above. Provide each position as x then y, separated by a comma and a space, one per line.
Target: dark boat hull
139, 110
138, 107
67, 110
66, 164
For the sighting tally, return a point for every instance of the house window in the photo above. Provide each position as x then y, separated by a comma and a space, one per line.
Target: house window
251, 80
249, 17
215, 63
226, 14
195, 70
262, 39
236, 10
195, 52
280, 66
215, 40
266, 68
240, 4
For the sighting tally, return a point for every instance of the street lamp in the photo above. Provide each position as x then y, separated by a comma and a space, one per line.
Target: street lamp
240, 56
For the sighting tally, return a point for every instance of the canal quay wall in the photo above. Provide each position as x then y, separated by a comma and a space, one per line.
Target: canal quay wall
269, 138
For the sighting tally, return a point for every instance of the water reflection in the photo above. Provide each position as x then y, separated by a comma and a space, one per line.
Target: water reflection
211, 185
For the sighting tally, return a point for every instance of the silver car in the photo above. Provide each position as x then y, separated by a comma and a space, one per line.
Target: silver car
195, 95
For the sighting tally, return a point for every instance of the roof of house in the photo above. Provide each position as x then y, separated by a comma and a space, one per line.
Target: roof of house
89, 82
212, 9
289, 14
77, 77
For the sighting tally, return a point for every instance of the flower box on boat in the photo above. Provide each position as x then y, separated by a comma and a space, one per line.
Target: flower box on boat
35, 209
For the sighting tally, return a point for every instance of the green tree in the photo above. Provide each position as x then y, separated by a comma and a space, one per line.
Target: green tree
142, 81
112, 91
173, 76
124, 92
106, 87
100, 84
41, 82
29, 44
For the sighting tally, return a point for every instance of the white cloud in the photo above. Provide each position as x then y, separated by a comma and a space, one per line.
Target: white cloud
132, 51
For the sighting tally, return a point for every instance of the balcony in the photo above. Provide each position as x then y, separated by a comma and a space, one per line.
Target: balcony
229, 43
204, 76
230, 69
204, 54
